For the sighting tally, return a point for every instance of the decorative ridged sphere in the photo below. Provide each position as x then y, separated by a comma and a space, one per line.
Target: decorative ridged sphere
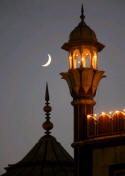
47, 125
47, 108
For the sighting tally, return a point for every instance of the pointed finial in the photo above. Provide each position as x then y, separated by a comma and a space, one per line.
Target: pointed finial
82, 14
47, 93
47, 125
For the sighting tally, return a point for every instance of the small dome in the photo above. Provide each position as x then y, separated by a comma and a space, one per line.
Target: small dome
46, 158
82, 33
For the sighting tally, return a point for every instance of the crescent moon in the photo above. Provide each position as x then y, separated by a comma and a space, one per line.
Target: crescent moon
48, 62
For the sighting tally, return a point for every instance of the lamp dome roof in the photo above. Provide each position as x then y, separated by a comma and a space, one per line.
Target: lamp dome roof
82, 33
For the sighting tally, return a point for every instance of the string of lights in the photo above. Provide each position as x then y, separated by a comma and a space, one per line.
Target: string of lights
110, 113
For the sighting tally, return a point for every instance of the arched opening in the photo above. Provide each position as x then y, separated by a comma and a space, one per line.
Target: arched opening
88, 62
86, 55
94, 61
76, 59
70, 60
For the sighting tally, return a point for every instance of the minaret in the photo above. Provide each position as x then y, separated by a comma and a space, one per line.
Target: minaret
83, 78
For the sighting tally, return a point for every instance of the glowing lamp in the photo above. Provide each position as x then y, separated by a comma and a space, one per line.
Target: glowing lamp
102, 113
88, 116
87, 55
117, 112
110, 112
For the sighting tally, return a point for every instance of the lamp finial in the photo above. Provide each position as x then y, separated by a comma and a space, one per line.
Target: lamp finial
82, 14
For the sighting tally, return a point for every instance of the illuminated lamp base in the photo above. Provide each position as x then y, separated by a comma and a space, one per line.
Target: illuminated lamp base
83, 82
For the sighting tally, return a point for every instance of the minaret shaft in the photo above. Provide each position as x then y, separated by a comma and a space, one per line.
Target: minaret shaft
80, 134
80, 120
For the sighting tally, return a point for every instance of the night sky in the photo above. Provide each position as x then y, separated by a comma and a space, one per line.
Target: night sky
29, 30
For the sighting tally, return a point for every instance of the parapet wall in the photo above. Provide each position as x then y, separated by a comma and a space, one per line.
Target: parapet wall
106, 124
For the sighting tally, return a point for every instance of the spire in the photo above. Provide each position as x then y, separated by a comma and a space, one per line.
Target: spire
47, 125
47, 93
82, 14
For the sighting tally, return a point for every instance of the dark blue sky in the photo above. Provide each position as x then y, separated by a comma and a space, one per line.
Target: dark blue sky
29, 30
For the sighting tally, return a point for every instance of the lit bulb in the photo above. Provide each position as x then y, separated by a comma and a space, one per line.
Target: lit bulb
110, 112
116, 112
95, 115
103, 113
88, 116
124, 110
82, 58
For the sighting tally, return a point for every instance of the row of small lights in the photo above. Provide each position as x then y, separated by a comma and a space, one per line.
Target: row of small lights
104, 113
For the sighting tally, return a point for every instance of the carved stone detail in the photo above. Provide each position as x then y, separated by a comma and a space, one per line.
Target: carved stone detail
83, 82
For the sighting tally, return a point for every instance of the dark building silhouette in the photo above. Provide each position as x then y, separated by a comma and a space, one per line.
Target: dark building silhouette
99, 140
46, 158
